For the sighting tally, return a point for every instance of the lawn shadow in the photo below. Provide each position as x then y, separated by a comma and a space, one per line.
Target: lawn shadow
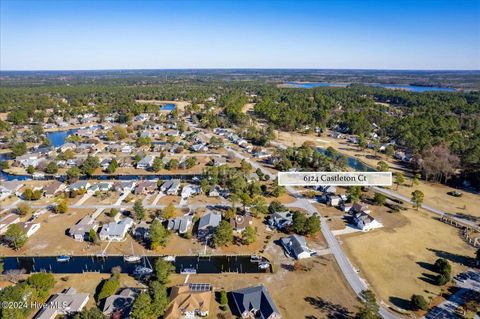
428, 278
400, 303
332, 310
426, 266
456, 258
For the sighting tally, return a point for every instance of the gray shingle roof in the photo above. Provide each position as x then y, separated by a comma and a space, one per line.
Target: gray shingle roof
256, 300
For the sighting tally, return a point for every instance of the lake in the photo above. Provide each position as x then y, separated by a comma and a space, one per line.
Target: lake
412, 88
80, 264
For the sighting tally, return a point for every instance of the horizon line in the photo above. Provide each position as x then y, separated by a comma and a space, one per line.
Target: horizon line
236, 68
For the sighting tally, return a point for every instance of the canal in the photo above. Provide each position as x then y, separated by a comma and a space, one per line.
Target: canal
105, 264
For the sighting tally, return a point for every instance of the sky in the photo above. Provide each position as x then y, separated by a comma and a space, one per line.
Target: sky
355, 34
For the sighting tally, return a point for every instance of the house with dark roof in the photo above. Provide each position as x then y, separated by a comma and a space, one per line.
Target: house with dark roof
254, 302
146, 187
81, 230
120, 305
208, 223
240, 222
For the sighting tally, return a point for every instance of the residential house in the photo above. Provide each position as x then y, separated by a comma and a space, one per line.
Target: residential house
296, 247
124, 186
170, 187
180, 224
145, 134
333, 200
281, 220
127, 149
189, 190
141, 117
116, 231
336, 134
101, 187
261, 154
81, 230
28, 160
240, 222
141, 230
63, 304
43, 151
7, 220
146, 162
10, 187
172, 133
207, 223
53, 189
359, 208
214, 191
365, 222
254, 302
146, 187
120, 305
78, 186
219, 161
104, 163
199, 147
189, 301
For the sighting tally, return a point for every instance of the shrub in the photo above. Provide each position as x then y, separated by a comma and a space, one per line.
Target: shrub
418, 302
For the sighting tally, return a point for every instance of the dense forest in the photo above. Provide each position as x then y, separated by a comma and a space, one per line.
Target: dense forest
441, 129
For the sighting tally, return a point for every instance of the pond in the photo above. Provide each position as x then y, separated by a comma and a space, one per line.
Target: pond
80, 264
58, 138
168, 107
352, 162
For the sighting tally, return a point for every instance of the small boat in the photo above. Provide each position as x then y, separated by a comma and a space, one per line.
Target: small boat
142, 271
263, 265
256, 259
131, 258
169, 258
63, 258
188, 271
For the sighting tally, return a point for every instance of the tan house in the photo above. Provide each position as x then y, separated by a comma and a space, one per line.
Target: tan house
189, 300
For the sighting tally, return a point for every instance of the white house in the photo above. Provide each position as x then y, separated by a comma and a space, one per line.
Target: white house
296, 247
366, 222
189, 190
28, 159
116, 231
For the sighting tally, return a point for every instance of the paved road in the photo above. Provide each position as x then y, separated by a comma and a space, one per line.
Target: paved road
431, 209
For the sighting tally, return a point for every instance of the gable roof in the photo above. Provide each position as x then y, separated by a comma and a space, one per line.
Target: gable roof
211, 219
256, 300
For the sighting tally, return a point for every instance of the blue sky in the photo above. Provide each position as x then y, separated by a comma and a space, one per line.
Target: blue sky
388, 34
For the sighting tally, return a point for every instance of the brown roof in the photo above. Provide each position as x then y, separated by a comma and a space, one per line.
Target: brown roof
240, 222
183, 299
52, 188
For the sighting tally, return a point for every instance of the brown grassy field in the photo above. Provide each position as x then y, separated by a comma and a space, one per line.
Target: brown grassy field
397, 259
